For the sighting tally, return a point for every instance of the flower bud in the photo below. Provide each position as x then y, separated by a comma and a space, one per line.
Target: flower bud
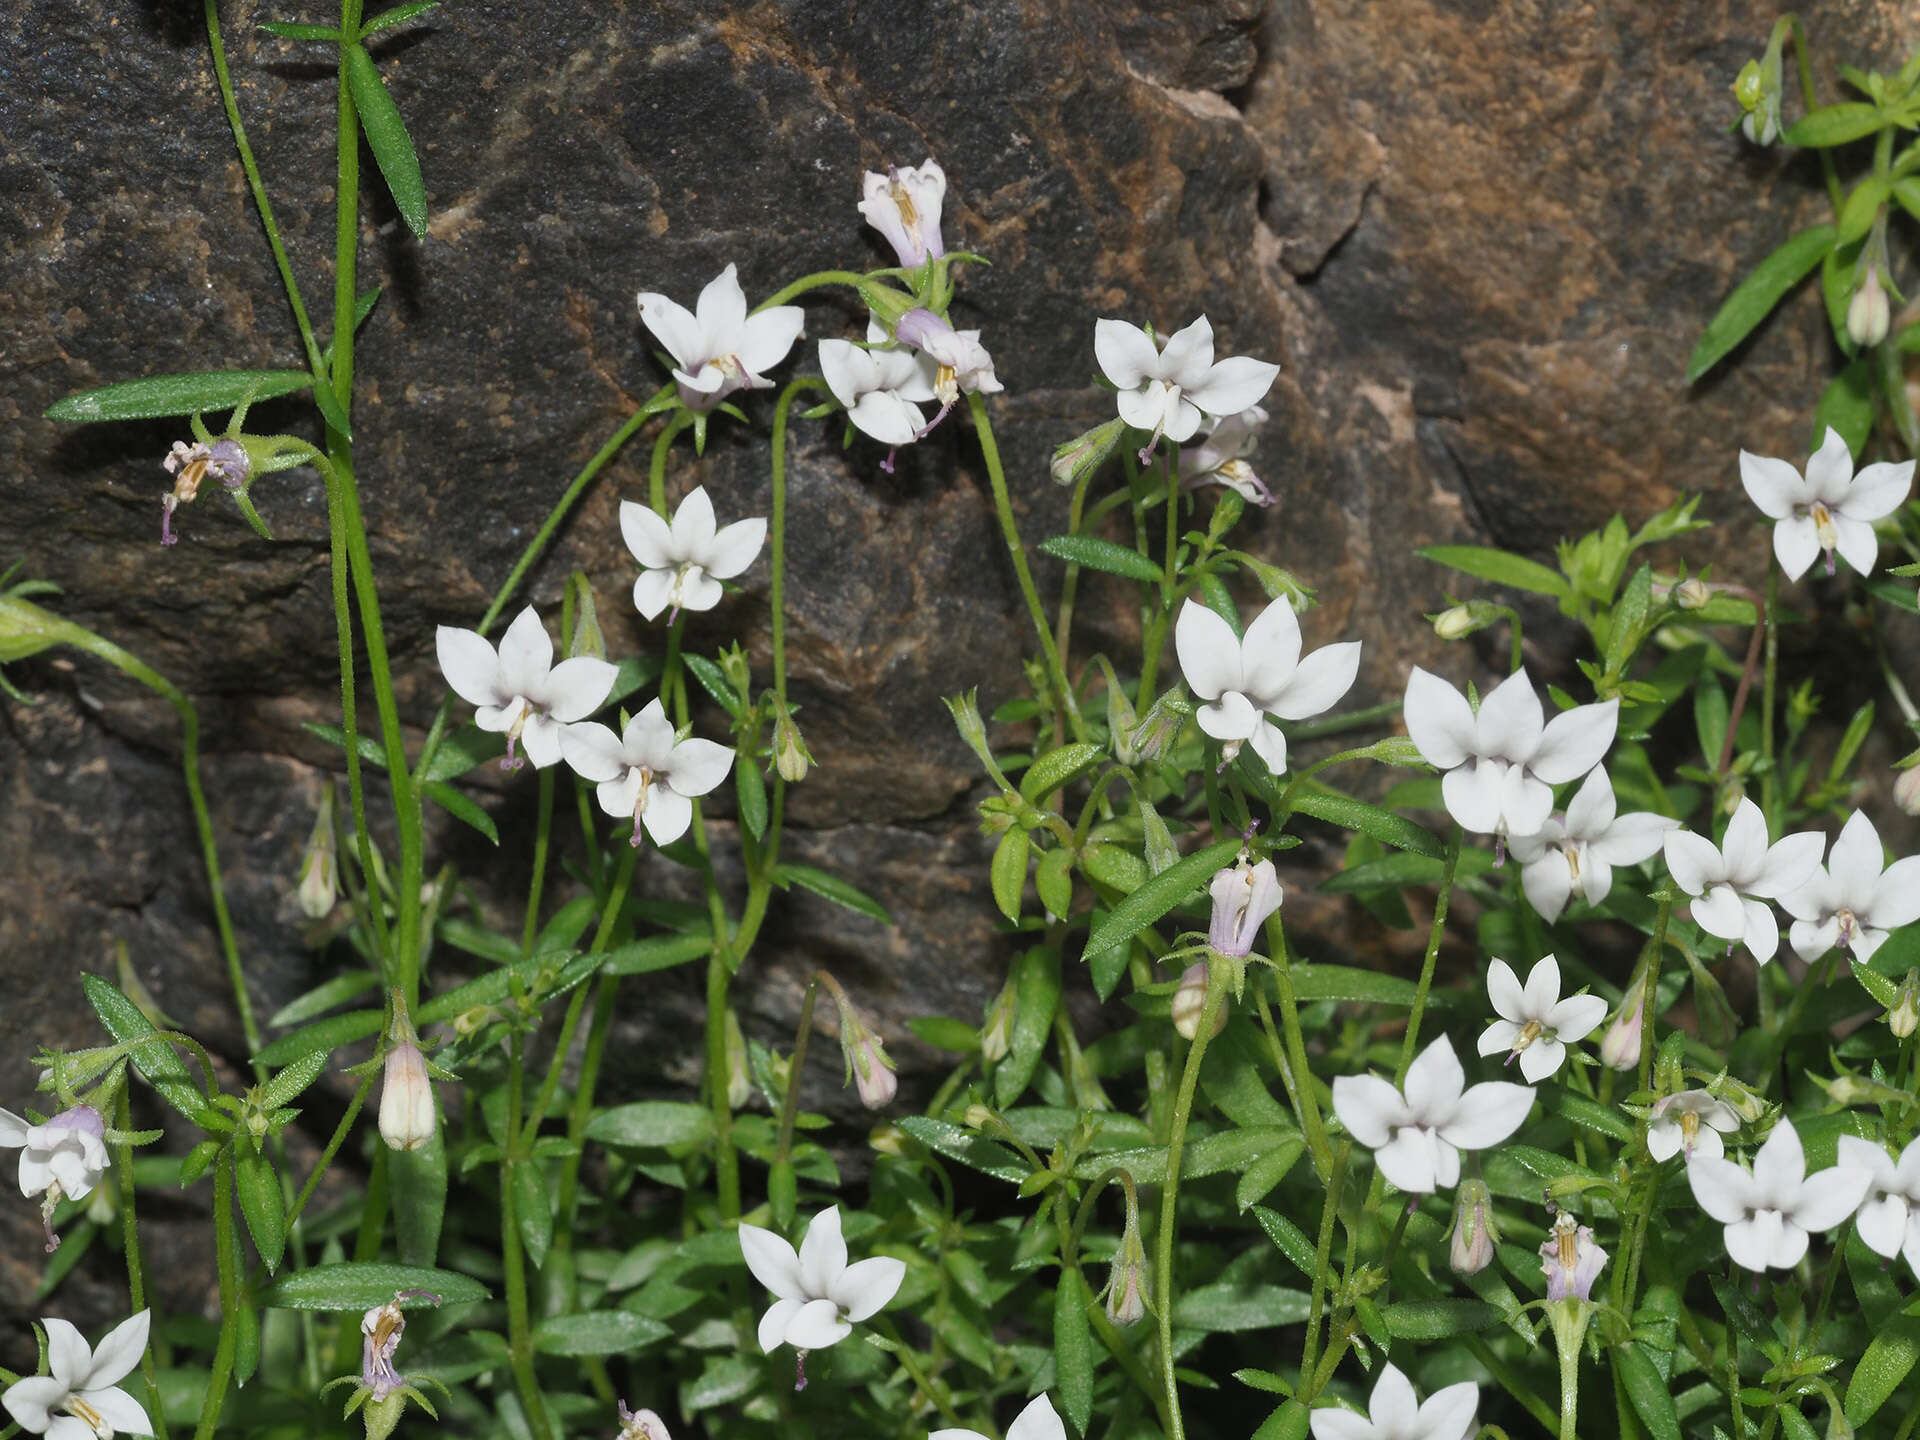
641, 1425
407, 1115
1692, 593
1906, 1007
1474, 1233
866, 1056
1082, 455
1190, 1002
1156, 732
977, 1117
1127, 1284
1906, 790
740, 1087
1869, 315
888, 1139
1620, 1050
587, 638
1454, 624
319, 868
791, 758
1244, 895
996, 1034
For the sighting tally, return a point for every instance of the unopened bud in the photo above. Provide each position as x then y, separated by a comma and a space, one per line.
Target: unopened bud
1692, 593
866, 1056
1620, 1050
1084, 454
1906, 790
1869, 315
1750, 1104
1454, 624
407, 1115
791, 758
587, 638
977, 1117
1127, 1285
888, 1139
740, 1087
1157, 730
320, 868
26, 629
1474, 1233
996, 1034
1906, 1007
1190, 1002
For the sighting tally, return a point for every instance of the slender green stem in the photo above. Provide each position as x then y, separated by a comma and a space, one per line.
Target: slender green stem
910, 1363
726, 1157
519, 1330
790, 1102
1440, 902
1338, 724
340, 1133
1769, 782
815, 281
226, 1253
1070, 580
530, 930
1811, 100
1656, 952
777, 555
1323, 1254
1306, 1103
136, 1269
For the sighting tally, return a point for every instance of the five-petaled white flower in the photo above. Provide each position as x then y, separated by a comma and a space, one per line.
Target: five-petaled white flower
1730, 882
682, 564
720, 348
1851, 902
818, 1296
882, 388
1889, 1218
518, 691
1038, 1421
1583, 848
1535, 1024
1244, 681
1501, 762
1417, 1137
904, 206
68, 1151
1394, 1412
1690, 1121
646, 772
1221, 457
81, 1398
1168, 391
1830, 509
1570, 1259
1769, 1213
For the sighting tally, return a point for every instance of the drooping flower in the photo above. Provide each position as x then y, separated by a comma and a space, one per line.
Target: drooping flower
641, 1425
961, 364
1889, 1218
1395, 1412
720, 348
1730, 882
882, 389
67, 1152
1038, 1421
1869, 313
225, 460
1501, 762
1570, 1259
1620, 1048
646, 772
1583, 848
1247, 680
682, 564
1245, 895
1474, 1233
818, 1296
904, 206
518, 691
1221, 457
81, 1398
1535, 1024
1417, 1136
408, 1119
1852, 902
1690, 1121
1769, 1213
1830, 509
1167, 391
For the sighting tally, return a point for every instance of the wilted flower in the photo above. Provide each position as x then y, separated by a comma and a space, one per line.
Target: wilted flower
1474, 1233
380, 1332
1535, 1024
1676, 1122
1570, 1260
80, 1398
818, 1296
1830, 509
1769, 1213
1221, 458
962, 365
1725, 879
1889, 1218
63, 1157
1394, 1412
641, 1425
1190, 1002
1852, 902
1583, 848
519, 691
1246, 680
904, 206
646, 772
224, 460
1168, 391
1417, 1136
1245, 895
1501, 762
720, 348
1037, 1422
682, 564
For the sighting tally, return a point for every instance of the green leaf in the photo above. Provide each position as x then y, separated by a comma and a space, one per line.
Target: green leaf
750, 792
323, 1036
1862, 207
714, 681
418, 1181
1053, 878
1907, 191
160, 396
661, 952
1231, 1306
1382, 825
1259, 1178
387, 137
287, 30
1651, 1396
1847, 405
652, 1123
1289, 1422
969, 1148
1231, 1150
263, 1206
1009, 871
1159, 895
1835, 125
1754, 298
1036, 996
463, 809
1057, 768
285, 1087
1557, 1100
1502, 567
1438, 1319
1882, 1368
324, 997
1291, 1240
830, 887
1073, 1351
363, 1284
399, 15
533, 1209
943, 1032
1093, 553
157, 1063
599, 1332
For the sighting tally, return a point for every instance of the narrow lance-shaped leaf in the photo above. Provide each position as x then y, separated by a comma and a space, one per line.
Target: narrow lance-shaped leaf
1754, 298
160, 396
387, 137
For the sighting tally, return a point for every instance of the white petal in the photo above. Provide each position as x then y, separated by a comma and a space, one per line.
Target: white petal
1489, 1112
1369, 1107
1506, 992
1393, 1406
1270, 745
1779, 1168
674, 327
1543, 988
1721, 1189
593, 751
693, 524
1596, 879
864, 1289
1510, 721
13, 1130
722, 310
1449, 1413
28, 1401
1878, 490
1473, 792
1788, 865
667, 816
1857, 543
119, 1353
1896, 895
1827, 1197
1796, 544
617, 796
1233, 385
766, 337
470, 665
1439, 720
652, 591
1830, 468
1127, 357
1882, 1224
1663, 1139
1209, 651
773, 1324
1319, 682
1706, 1144
1576, 1017
578, 687
1541, 1059
1575, 741
1773, 485
1525, 802
119, 1409
1693, 861
734, 548
1037, 1422
697, 766
1857, 858
1753, 1240
1435, 1080
1188, 355
700, 591
1720, 912
1330, 1422
526, 655
1591, 811
774, 1262
823, 1253
848, 370
69, 1357
1498, 1038
540, 739
648, 738
1231, 717
648, 537
1761, 931
816, 1326
1147, 408
1632, 837
886, 417
1548, 884
1411, 1161
1270, 652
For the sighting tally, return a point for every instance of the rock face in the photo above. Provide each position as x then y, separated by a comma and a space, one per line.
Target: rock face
1480, 237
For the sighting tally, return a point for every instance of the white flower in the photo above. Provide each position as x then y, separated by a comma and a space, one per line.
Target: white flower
818, 1296
68, 1151
83, 1385
1851, 903
720, 348
1889, 1218
682, 564
408, 1118
1417, 1137
1769, 1213
1677, 1121
1583, 848
961, 363
1221, 458
1037, 1422
1247, 680
646, 772
1743, 865
1831, 509
1245, 896
1500, 762
1395, 1413
1570, 1259
1535, 1024
882, 388
519, 691
641, 1425
904, 206
1168, 391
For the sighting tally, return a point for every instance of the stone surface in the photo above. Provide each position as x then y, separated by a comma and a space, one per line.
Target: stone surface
1480, 236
